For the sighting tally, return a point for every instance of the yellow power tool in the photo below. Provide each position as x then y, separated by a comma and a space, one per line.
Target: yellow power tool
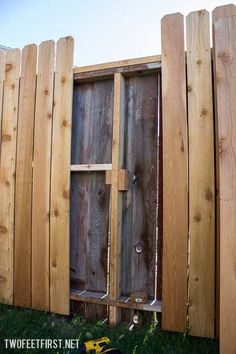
101, 345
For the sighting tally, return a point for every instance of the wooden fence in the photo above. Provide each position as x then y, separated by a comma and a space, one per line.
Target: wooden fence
199, 244
35, 107
150, 172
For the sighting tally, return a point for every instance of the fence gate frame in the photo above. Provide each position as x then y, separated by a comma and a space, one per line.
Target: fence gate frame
117, 177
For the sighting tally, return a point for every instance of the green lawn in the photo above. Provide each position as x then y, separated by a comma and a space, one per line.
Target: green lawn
147, 339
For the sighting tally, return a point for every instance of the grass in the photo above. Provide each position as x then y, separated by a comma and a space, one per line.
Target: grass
146, 339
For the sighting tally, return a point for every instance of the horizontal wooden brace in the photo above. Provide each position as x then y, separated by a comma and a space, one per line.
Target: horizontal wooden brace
91, 167
126, 71
117, 64
122, 302
122, 179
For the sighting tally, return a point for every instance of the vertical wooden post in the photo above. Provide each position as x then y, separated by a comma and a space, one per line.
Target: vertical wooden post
23, 194
225, 66
60, 179
175, 175
219, 12
201, 176
116, 195
7, 174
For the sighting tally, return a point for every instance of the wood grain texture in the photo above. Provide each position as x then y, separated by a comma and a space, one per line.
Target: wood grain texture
175, 176
117, 64
41, 176
105, 74
92, 118
222, 11
116, 196
7, 174
219, 12
225, 65
60, 178
201, 176
91, 167
23, 193
159, 196
2, 77
122, 302
140, 201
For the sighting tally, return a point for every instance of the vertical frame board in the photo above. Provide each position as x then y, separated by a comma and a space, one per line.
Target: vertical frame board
201, 176
2, 77
7, 173
23, 193
60, 178
219, 12
225, 66
159, 196
175, 175
116, 195
140, 201
41, 176
91, 143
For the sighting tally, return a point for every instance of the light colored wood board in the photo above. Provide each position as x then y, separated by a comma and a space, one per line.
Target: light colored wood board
159, 195
117, 64
218, 12
60, 178
116, 195
92, 118
7, 174
2, 77
23, 192
91, 167
139, 202
175, 175
41, 176
108, 177
201, 176
123, 183
222, 11
225, 64
121, 302
126, 71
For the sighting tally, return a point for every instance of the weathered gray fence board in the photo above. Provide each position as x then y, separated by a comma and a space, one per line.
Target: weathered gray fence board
91, 143
139, 207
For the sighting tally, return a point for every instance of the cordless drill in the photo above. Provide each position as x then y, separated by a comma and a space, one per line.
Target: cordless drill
101, 345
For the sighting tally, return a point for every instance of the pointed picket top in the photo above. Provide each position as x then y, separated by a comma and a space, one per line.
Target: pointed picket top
198, 24
197, 14
221, 11
31, 45
168, 23
46, 54
199, 19
175, 19
171, 16
45, 42
65, 48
